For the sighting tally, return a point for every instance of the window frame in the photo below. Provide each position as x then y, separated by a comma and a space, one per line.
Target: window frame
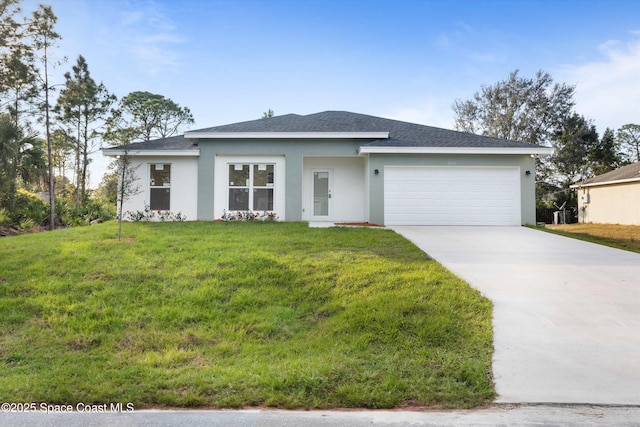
250, 186
165, 185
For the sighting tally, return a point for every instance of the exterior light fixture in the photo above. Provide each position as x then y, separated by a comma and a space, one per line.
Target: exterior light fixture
528, 173
376, 171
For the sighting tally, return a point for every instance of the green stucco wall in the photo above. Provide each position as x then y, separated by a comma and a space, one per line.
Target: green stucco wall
293, 151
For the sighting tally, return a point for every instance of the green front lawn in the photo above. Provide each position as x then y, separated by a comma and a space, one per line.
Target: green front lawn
235, 315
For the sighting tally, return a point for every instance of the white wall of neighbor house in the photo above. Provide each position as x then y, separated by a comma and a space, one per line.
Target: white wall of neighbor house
348, 195
610, 204
183, 187
221, 181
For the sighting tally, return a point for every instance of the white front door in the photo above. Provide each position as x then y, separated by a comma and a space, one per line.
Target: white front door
321, 185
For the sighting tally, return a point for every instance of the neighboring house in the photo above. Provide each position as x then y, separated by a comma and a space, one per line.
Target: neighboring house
338, 167
611, 198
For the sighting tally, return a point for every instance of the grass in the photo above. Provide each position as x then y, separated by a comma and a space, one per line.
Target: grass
618, 236
238, 315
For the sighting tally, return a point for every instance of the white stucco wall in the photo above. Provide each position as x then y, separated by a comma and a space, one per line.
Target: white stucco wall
184, 185
611, 204
348, 195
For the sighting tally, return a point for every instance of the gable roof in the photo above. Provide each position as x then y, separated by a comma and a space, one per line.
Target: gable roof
378, 134
629, 173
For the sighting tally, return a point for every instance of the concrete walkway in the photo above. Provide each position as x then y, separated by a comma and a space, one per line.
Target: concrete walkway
566, 312
500, 415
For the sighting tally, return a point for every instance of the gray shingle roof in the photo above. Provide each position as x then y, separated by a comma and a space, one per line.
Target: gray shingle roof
172, 143
631, 171
404, 134
401, 134
286, 123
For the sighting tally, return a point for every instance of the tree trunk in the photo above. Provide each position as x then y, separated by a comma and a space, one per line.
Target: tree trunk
121, 191
77, 171
52, 181
85, 161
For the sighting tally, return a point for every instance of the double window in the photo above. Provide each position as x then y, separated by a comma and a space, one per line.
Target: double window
251, 187
160, 186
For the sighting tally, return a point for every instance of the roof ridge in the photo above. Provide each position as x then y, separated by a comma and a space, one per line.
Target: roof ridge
210, 128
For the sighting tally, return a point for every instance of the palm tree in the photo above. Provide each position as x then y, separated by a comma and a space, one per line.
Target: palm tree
22, 160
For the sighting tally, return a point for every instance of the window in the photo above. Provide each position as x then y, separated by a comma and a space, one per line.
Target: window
160, 187
251, 187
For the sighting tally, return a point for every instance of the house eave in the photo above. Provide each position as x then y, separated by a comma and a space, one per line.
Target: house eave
599, 184
534, 151
286, 135
110, 152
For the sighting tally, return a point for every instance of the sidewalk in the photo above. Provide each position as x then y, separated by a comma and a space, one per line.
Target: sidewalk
498, 415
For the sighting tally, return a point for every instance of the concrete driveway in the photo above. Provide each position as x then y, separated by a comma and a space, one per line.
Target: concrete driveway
566, 313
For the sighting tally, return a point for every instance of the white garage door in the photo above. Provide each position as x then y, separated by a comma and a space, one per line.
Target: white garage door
451, 196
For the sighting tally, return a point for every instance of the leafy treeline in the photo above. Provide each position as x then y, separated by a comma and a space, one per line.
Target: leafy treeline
539, 111
84, 117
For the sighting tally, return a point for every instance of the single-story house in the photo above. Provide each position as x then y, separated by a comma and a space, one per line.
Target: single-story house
611, 198
338, 166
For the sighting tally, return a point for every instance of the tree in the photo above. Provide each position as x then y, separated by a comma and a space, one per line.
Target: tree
18, 86
629, 139
603, 156
520, 109
63, 146
21, 159
19, 80
573, 144
41, 31
548, 186
127, 184
8, 24
108, 188
267, 114
82, 103
141, 116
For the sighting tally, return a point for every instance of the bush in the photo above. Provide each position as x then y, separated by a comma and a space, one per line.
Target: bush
249, 216
30, 210
5, 219
68, 215
150, 215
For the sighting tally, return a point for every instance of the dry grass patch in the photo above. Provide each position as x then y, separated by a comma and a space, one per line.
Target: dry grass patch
615, 235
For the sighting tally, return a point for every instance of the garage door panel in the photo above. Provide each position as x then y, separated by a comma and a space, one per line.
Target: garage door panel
452, 196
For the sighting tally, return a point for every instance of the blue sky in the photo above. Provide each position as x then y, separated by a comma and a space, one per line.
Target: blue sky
230, 61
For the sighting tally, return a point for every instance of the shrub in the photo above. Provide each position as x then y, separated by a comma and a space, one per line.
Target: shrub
68, 214
30, 210
5, 219
147, 215
249, 216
